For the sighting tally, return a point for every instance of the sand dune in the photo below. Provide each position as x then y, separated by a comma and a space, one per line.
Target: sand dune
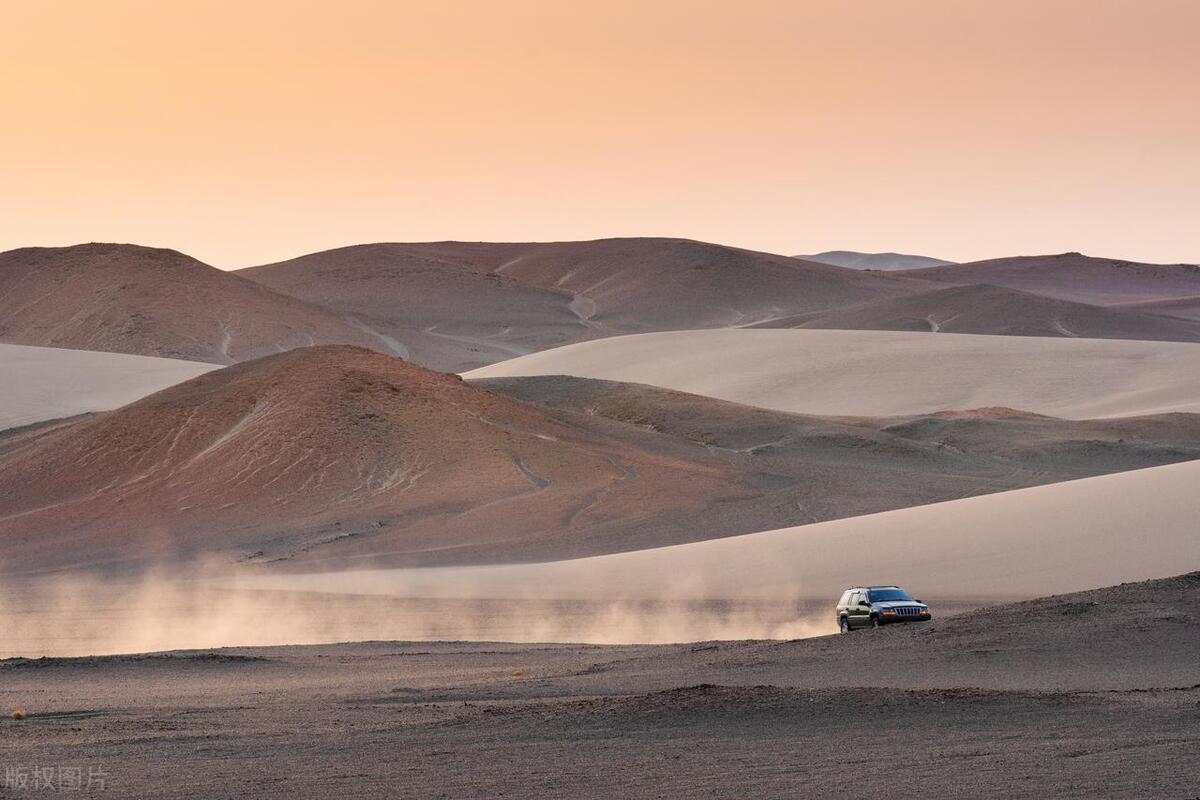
997, 310
333, 450
872, 373
1073, 276
1024, 543
498, 300
43, 383
877, 261
339, 457
146, 301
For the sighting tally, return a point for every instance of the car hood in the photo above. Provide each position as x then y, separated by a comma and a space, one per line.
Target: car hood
892, 604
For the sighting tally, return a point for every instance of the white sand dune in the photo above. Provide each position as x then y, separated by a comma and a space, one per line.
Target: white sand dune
884, 373
41, 383
1024, 543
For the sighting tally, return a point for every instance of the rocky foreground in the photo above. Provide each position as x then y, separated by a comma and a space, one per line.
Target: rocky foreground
1094, 694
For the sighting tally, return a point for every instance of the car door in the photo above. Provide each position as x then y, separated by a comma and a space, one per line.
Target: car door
859, 614
864, 609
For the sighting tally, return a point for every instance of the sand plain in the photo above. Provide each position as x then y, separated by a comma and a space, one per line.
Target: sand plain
888, 373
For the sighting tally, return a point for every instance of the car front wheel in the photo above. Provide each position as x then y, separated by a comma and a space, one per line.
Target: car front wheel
875, 623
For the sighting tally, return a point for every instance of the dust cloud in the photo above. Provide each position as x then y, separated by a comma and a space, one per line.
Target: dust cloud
207, 607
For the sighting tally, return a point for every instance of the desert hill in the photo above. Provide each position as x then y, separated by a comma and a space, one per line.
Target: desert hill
496, 300
337, 457
481, 315
1000, 311
875, 261
458, 306
317, 446
145, 301
1073, 276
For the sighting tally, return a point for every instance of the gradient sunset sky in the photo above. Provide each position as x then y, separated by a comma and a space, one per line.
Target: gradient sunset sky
248, 132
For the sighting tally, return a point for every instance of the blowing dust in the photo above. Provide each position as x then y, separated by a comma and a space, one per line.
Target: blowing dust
204, 608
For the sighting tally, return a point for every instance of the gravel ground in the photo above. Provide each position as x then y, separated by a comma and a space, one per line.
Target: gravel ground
1095, 694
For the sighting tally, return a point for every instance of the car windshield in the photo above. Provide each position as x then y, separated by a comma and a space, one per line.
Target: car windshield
884, 595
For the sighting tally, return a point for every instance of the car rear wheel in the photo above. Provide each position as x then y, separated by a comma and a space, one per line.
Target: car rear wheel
844, 625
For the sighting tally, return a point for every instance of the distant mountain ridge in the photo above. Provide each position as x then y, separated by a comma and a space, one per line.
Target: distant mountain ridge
456, 306
1074, 276
886, 262
497, 300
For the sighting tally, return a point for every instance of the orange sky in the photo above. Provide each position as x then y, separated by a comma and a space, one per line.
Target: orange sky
245, 132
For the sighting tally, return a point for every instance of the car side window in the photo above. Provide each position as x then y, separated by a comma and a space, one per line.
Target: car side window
855, 598
845, 601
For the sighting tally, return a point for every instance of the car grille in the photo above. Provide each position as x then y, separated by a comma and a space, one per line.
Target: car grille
908, 612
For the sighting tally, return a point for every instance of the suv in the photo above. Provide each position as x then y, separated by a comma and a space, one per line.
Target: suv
874, 606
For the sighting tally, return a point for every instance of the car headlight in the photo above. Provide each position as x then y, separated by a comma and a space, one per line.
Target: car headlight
889, 612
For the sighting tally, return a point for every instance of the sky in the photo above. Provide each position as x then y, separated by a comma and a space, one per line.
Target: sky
249, 132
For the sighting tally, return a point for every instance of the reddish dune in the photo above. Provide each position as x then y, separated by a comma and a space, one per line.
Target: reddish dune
145, 301
295, 452
1072, 276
